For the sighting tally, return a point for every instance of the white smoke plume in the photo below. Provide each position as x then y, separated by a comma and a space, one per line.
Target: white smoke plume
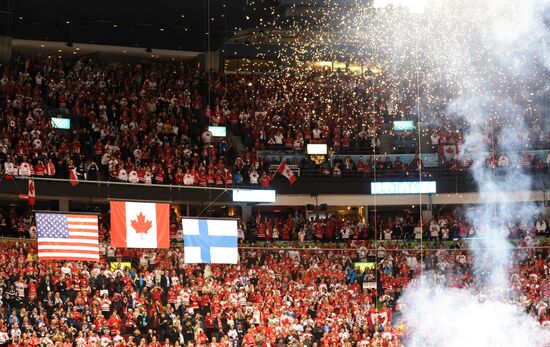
485, 63
451, 317
481, 61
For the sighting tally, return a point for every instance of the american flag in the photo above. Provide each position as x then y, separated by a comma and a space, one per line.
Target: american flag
67, 236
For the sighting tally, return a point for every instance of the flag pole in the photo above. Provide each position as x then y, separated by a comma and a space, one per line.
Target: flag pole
211, 202
65, 212
277, 171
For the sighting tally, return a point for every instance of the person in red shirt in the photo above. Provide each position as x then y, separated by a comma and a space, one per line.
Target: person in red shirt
159, 178
179, 177
385, 309
100, 323
75, 146
141, 174
39, 169
114, 322
34, 340
319, 234
285, 233
203, 179
228, 178
32, 290
265, 180
210, 178
172, 295
219, 179
156, 294
260, 231
209, 326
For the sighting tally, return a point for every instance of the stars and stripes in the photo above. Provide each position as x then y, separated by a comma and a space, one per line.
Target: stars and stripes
67, 236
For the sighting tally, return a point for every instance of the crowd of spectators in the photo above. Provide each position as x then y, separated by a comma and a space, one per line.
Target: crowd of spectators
346, 111
386, 166
273, 297
147, 123
272, 227
134, 123
289, 110
405, 227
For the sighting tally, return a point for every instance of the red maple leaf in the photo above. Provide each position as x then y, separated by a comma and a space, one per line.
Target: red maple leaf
141, 225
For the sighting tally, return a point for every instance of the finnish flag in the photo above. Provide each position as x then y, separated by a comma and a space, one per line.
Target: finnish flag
210, 241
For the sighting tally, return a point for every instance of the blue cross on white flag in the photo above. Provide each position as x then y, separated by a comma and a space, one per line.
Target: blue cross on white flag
210, 241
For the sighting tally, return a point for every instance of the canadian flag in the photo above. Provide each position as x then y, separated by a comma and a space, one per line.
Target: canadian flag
32, 193
449, 152
140, 225
287, 172
73, 177
379, 318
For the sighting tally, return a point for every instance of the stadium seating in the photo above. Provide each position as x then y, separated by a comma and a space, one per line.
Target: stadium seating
291, 296
287, 288
147, 123
324, 281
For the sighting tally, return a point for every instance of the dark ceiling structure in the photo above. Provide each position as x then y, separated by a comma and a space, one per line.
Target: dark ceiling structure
190, 25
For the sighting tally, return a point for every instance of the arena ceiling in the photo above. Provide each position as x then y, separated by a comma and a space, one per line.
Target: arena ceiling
190, 25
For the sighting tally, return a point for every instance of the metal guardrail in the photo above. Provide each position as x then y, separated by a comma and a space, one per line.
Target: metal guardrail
392, 173
305, 173
314, 245
117, 183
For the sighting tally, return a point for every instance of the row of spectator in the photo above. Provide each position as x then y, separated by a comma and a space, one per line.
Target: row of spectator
143, 117
273, 297
289, 109
249, 170
146, 122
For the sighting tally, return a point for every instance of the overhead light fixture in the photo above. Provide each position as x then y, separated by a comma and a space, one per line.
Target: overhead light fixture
115, 25
60, 50
42, 46
161, 29
67, 22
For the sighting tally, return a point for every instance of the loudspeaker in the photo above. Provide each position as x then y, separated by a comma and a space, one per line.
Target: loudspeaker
323, 207
310, 207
